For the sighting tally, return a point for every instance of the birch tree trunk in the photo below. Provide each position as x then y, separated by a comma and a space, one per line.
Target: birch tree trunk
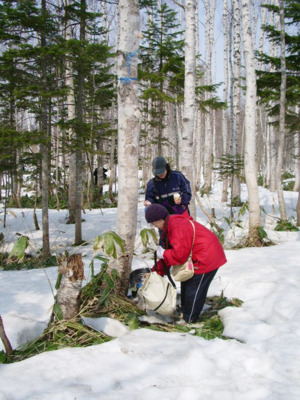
267, 172
197, 125
273, 154
129, 118
79, 131
282, 207
274, 139
236, 131
45, 146
189, 99
250, 125
208, 155
297, 174
100, 142
297, 158
71, 115
225, 92
298, 209
262, 115
112, 152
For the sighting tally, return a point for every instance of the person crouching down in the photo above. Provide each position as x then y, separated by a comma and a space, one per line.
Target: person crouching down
177, 239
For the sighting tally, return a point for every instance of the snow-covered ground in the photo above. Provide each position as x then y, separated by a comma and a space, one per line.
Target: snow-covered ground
261, 361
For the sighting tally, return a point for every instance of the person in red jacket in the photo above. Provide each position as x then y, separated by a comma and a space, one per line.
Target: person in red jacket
207, 254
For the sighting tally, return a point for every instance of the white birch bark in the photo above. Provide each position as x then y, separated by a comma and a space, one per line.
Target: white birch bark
273, 153
297, 158
197, 125
298, 210
100, 159
213, 75
297, 170
209, 40
267, 157
58, 133
189, 99
214, 136
281, 202
69, 79
45, 147
250, 123
225, 92
236, 131
262, 116
271, 119
262, 33
79, 131
176, 137
129, 118
274, 51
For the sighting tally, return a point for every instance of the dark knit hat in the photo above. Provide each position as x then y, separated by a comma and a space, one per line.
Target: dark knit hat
155, 212
159, 165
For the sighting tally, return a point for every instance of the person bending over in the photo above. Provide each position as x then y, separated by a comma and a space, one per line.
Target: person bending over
207, 255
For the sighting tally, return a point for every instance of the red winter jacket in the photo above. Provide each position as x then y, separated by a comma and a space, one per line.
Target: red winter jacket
177, 236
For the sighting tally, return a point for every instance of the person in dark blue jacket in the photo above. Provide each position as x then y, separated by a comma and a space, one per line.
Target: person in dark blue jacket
169, 188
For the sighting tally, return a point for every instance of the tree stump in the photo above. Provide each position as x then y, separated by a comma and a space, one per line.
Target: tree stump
4, 338
68, 296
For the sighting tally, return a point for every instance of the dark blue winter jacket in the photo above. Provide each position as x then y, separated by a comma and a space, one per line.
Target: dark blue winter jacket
161, 191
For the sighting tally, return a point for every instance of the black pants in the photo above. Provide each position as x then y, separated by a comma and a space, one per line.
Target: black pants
193, 295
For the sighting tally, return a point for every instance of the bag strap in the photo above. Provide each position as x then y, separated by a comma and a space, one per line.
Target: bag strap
167, 272
166, 269
163, 300
155, 261
193, 238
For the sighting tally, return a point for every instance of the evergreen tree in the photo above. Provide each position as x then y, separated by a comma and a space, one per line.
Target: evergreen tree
229, 167
279, 88
32, 81
269, 82
93, 91
161, 69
